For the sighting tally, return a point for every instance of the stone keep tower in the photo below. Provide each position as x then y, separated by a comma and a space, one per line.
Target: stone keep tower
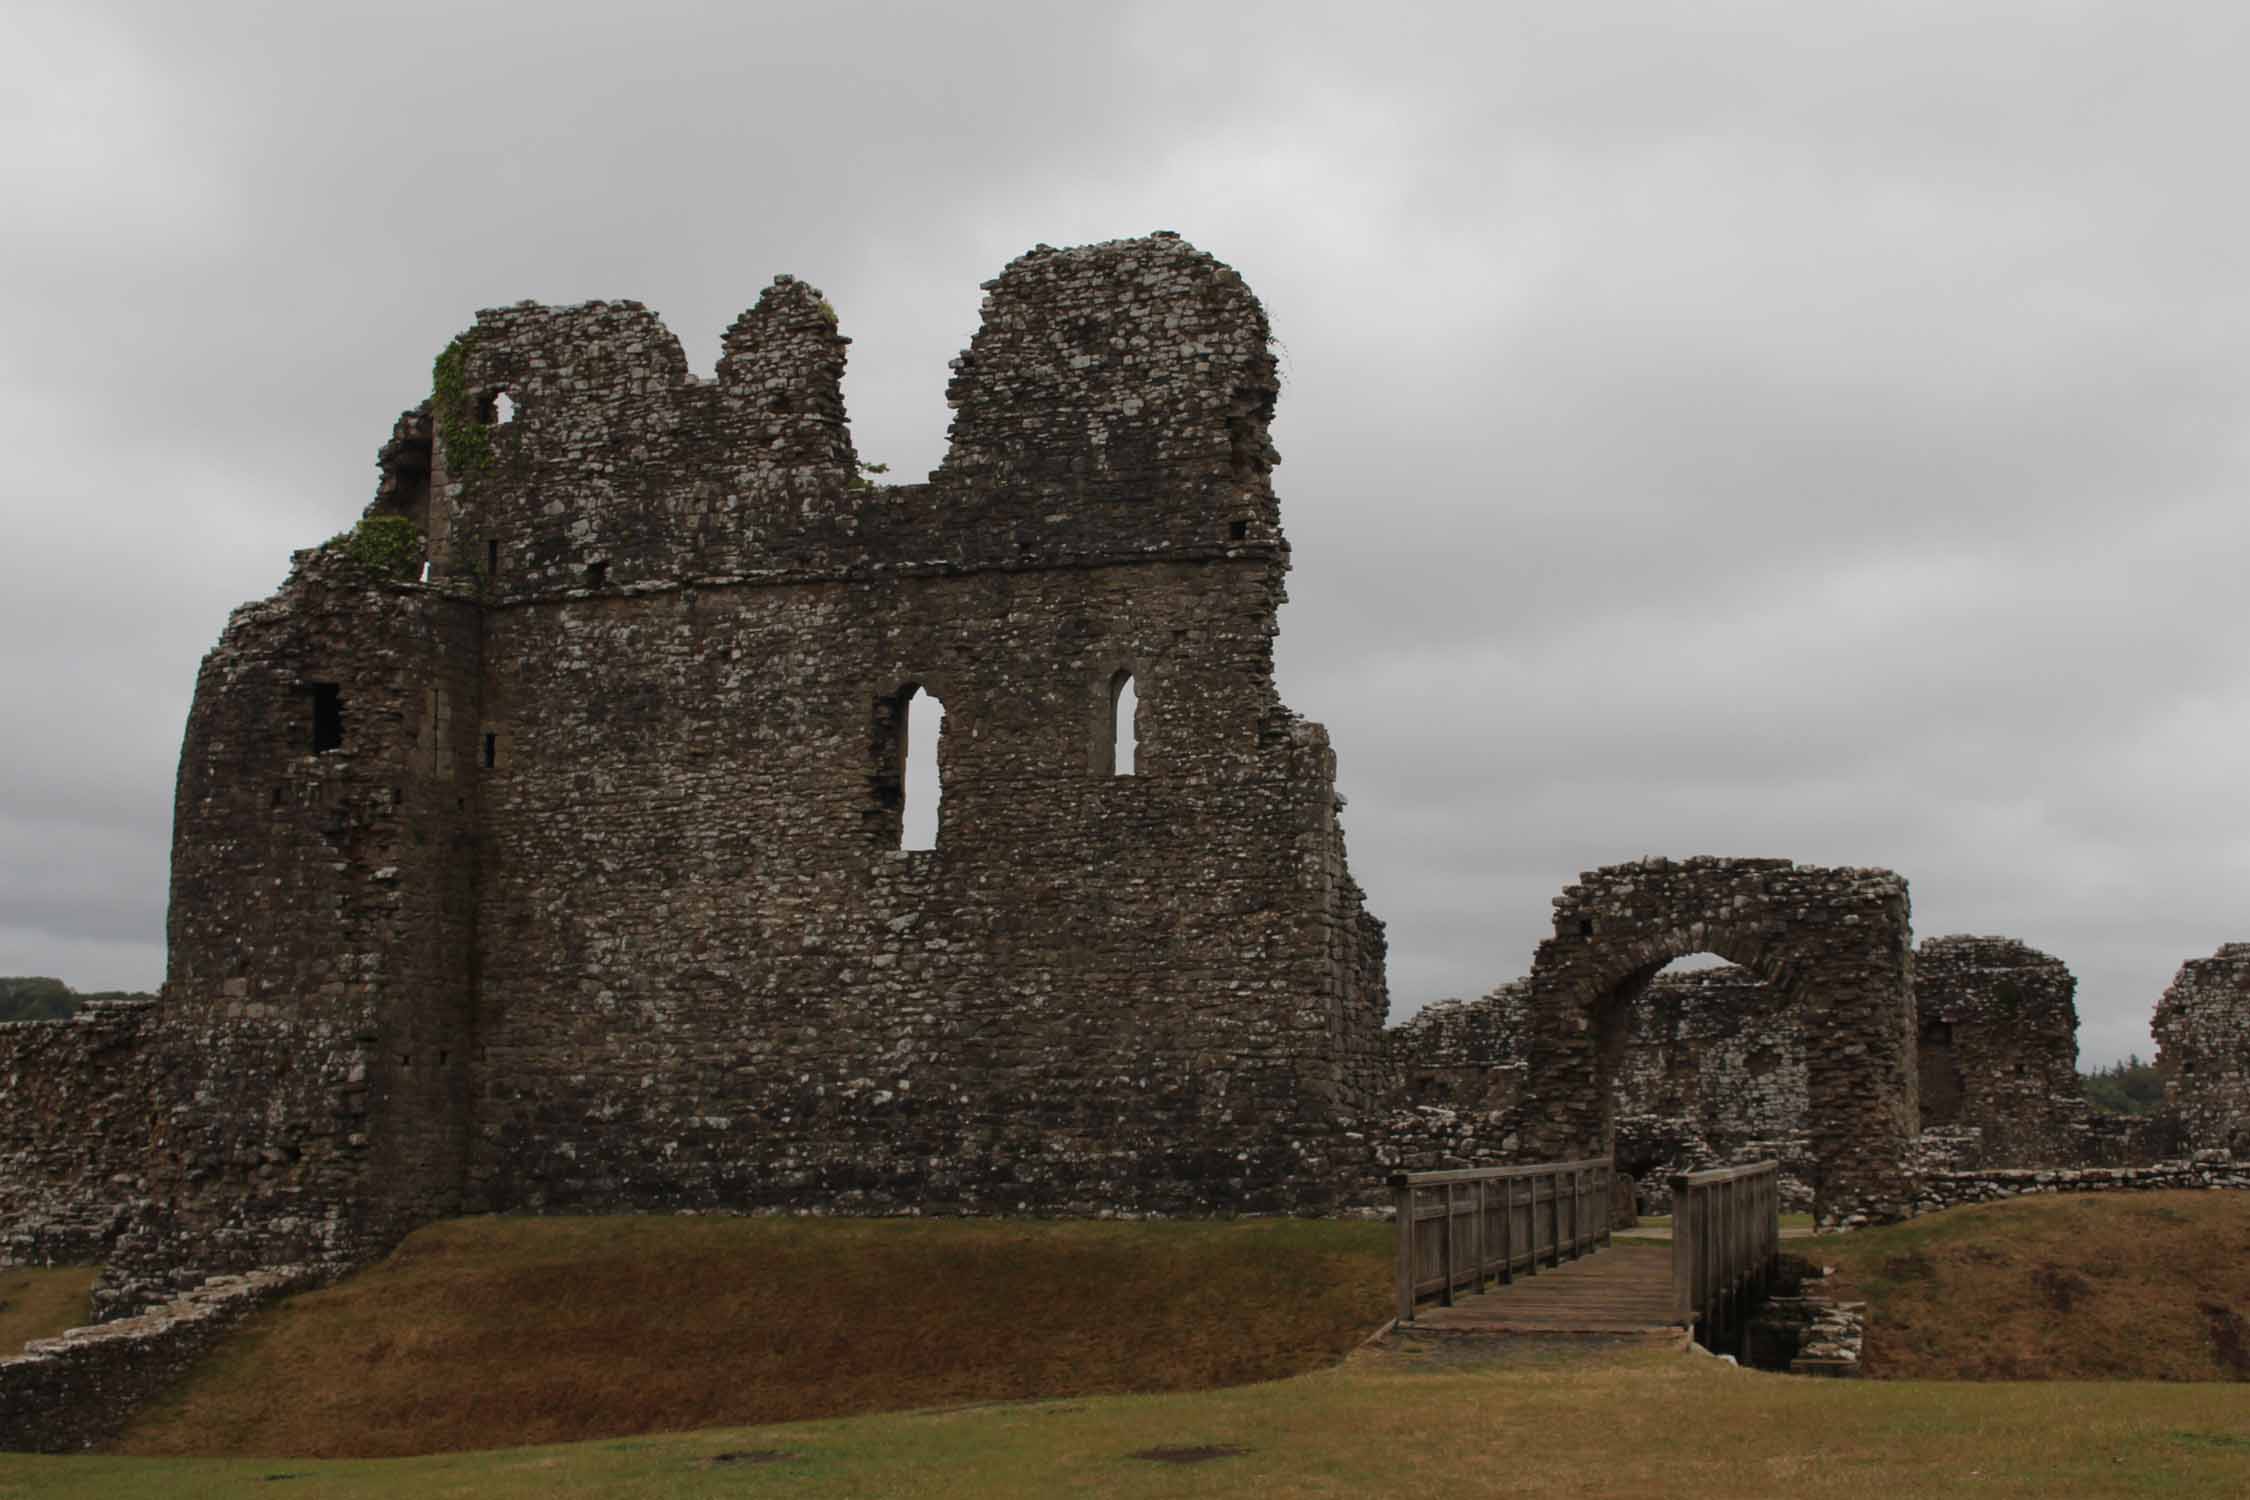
571, 877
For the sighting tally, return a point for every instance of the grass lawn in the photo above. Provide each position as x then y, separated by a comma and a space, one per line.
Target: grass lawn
1664, 1222
711, 1337
1635, 1423
38, 1303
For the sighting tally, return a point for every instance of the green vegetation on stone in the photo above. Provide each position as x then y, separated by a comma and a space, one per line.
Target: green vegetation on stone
34, 999
2131, 1087
30, 998
387, 545
460, 427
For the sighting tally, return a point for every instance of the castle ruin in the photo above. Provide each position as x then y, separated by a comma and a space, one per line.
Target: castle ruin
2202, 1029
541, 845
555, 862
1714, 1063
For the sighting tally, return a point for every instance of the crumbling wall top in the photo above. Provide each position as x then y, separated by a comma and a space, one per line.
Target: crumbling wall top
1114, 405
1115, 370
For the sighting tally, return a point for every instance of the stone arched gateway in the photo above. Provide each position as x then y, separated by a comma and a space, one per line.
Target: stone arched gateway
1835, 942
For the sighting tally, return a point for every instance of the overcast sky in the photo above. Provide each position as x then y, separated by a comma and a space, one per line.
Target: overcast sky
1815, 430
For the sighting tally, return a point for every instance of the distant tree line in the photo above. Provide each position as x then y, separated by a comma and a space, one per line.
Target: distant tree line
35, 999
2131, 1087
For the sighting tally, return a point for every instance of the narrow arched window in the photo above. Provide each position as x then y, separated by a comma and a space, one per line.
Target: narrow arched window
1124, 723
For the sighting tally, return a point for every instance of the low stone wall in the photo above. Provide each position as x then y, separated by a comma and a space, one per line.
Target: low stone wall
1942, 1190
2131, 1140
69, 1394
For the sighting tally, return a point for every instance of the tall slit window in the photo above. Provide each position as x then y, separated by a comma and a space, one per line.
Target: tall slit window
1124, 723
907, 786
328, 717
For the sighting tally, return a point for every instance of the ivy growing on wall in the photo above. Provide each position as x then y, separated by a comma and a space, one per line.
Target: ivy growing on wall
460, 426
388, 545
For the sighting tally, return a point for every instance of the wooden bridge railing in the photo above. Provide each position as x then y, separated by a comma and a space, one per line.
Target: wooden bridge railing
1462, 1229
1726, 1241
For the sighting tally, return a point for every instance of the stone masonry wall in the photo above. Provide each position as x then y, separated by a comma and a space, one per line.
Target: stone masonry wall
1834, 945
2211, 1170
1151, 991
73, 1132
318, 1015
1712, 1073
567, 872
1998, 1049
2202, 1028
1714, 1070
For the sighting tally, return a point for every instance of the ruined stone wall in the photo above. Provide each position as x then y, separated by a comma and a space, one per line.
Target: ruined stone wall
1998, 1049
1833, 943
2202, 1029
1939, 1190
567, 874
318, 1016
1464, 1054
1097, 990
73, 1131
1712, 1073
1714, 1069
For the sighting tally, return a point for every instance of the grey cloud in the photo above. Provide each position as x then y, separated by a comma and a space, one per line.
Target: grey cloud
1740, 428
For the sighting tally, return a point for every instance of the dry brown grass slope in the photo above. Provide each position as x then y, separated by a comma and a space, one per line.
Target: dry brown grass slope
2114, 1286
38, 1303
482, 1333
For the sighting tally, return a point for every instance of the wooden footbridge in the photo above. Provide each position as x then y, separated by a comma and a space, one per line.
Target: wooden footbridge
1527, 1250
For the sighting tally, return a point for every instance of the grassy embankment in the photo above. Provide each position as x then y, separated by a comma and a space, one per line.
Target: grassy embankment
484, 1332
40, 1303
2113, 1286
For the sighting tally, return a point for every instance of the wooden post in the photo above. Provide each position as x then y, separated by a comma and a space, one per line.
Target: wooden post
1507, 1230
1406, 1262
1683, 1251
1531, 1223
1445, 1296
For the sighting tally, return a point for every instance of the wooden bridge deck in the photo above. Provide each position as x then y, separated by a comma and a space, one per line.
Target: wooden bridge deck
1626, 1289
